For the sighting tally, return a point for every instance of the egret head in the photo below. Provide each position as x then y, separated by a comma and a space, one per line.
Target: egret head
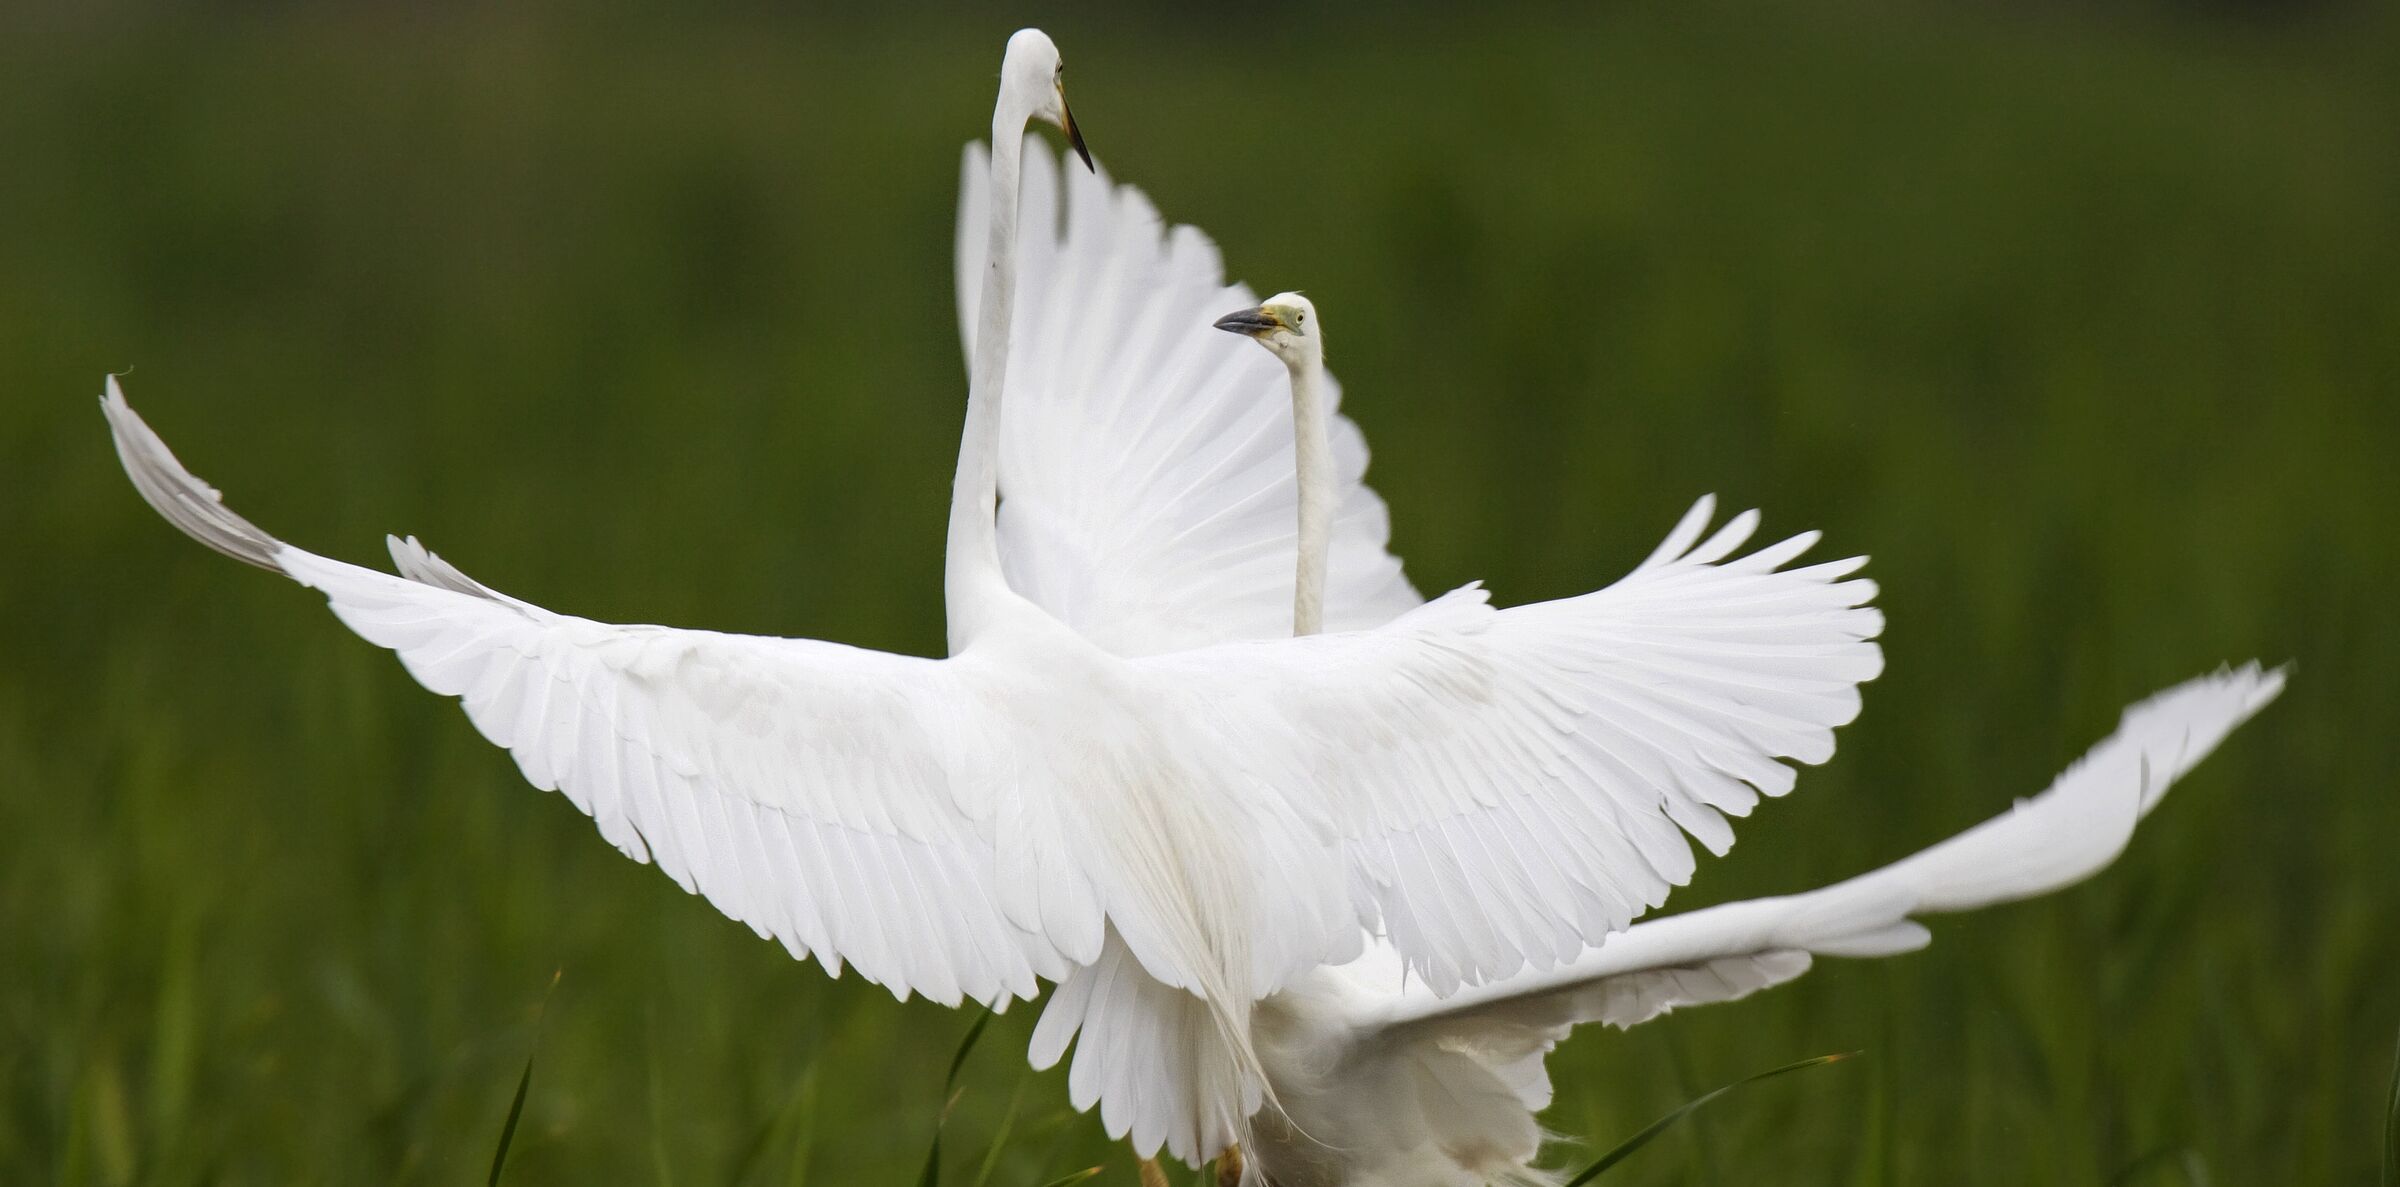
1286, 324
1032, 75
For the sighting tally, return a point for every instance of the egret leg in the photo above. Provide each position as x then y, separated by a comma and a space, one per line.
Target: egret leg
1229, 1167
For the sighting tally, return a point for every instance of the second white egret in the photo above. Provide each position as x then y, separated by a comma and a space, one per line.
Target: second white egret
1383, 1082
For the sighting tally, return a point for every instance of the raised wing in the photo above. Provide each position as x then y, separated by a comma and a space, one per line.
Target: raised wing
2054, 840
837, 799
1147, 485
1509, 783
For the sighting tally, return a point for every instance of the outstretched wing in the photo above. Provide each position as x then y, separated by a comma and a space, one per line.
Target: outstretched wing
1509, 783
1148, 497
1426, 1080
2054, 840
837, 799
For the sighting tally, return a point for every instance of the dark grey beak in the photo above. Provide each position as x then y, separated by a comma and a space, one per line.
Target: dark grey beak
1252, 323
1074, 134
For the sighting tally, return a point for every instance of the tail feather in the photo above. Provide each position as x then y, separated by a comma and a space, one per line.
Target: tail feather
1155, 1059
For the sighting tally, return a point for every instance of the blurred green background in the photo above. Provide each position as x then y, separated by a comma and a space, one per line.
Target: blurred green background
2086, 323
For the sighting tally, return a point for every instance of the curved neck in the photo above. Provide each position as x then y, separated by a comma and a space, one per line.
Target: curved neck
972, 585
1312, 456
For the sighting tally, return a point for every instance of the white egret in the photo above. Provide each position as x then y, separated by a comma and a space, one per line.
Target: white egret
976, 595
1287, 325
1384, 1083
1177, 835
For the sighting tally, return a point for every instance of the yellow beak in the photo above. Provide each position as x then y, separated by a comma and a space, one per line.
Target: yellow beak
1251, 323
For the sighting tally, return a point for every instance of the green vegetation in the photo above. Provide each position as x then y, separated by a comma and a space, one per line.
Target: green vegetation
2088, 329
932, 1174
1643, 1137
2391, 1131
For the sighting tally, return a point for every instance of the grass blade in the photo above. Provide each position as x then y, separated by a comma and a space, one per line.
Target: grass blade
1008, 1122
932, 1176
516, 1104
508, 1128
965, 1046
1626, 1148
2391, 1129
755, 1153
1071, 1180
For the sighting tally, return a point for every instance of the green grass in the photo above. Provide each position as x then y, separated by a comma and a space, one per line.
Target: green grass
2083, 327
2391, 1130
516, 1103
931, 1176
1649, 1133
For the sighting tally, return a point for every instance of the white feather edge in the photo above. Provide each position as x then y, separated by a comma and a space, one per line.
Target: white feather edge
2069, 832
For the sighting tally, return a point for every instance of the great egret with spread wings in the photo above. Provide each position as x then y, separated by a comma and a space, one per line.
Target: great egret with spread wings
1170, 836
1384, 1083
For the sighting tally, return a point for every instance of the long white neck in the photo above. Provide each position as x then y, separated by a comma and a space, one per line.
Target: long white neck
973, 588
1312, 455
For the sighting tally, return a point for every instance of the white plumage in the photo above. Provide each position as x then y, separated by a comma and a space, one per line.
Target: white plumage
1122, 779
1394, 1085
1390, 1079
1217, 819
1148, 462
960, 827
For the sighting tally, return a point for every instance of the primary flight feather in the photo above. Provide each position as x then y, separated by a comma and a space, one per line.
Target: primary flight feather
1385, 1083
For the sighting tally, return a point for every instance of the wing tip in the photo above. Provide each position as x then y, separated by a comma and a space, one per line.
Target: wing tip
2263, 684
180, 497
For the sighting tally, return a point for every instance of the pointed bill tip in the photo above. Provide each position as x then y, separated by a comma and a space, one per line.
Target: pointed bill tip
1074, 134
1250, 323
